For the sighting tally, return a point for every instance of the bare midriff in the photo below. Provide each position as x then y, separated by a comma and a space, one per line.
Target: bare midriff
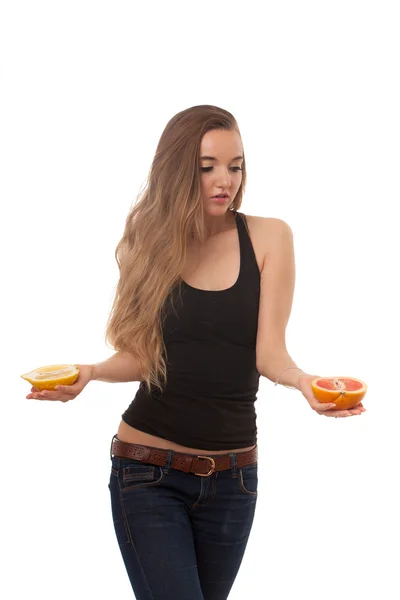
129, 434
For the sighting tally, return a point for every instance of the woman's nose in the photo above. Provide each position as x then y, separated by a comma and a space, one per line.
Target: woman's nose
223, 181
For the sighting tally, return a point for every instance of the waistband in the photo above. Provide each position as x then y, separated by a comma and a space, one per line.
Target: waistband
189, 463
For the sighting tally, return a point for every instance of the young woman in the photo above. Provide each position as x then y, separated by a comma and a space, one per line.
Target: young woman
200, 312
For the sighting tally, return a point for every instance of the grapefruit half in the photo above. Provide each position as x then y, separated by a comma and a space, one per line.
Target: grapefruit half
345, 392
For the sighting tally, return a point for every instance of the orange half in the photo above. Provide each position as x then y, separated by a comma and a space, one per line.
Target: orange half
345, 392
46, 378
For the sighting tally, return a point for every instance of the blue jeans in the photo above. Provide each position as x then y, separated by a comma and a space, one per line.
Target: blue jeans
181, 536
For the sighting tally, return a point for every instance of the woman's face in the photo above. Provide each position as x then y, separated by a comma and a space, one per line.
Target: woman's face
221, 173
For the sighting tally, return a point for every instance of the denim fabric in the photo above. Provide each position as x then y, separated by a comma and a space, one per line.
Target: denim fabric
181, 536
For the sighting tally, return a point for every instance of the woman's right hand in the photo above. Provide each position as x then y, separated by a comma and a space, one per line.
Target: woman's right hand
64, 393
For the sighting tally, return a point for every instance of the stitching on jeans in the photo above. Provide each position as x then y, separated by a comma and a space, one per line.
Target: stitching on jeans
241, 483
200, 494
129, 535
214, 489
144, 484
132, 474
127, 531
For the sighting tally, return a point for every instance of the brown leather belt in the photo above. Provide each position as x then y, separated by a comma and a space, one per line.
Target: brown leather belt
189, 463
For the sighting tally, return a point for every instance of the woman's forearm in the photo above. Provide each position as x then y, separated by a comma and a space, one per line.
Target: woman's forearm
276, 365
119, 368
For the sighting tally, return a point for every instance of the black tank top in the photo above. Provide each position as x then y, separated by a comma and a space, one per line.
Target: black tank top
212, 379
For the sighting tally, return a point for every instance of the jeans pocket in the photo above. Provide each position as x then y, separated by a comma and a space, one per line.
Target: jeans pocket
248, 479
135, 474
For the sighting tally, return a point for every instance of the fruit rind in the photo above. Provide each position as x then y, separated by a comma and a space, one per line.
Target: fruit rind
344, 399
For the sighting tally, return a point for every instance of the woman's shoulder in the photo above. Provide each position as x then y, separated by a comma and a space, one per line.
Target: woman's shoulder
263, 225
266, 234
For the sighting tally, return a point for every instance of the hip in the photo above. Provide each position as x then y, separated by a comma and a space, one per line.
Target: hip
139, 469
129, 434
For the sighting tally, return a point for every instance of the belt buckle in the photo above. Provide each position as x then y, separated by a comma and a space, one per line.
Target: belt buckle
212, 469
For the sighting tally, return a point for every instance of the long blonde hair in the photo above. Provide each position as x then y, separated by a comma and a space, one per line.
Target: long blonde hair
167, 217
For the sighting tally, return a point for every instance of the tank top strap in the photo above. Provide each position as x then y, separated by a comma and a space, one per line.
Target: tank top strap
247, 254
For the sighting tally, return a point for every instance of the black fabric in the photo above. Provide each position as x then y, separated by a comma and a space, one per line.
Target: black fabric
212, 384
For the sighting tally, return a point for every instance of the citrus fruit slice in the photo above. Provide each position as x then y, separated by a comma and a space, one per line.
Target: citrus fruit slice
345, 392
46, 378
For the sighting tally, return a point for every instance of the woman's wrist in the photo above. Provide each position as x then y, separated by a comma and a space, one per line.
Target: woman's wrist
93, 373
304, 377
291, 377
298, 376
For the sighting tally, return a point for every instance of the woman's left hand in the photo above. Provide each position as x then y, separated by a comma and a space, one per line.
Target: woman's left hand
304, 385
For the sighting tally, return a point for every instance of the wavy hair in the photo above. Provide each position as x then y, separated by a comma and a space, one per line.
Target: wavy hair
166, 218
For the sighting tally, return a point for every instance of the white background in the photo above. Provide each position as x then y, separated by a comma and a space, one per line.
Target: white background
86, 91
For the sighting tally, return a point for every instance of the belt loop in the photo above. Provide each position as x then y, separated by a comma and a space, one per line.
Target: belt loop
168, 464
233, 464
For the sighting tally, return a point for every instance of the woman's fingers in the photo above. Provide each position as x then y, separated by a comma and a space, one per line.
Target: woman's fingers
321, 406
330, 410
341, 413
62, 395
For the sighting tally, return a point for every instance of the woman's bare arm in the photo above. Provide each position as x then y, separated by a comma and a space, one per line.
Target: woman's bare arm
120, 367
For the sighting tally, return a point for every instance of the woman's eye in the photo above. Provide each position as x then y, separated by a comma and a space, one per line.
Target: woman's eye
207, 169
